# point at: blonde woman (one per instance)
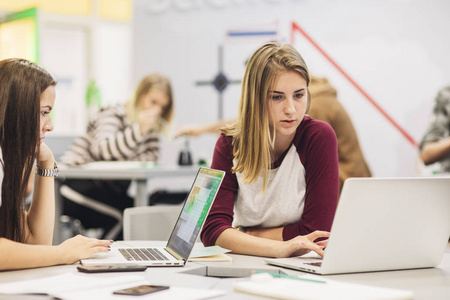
(121, 132)
(280, 192)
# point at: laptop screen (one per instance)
(195, 210)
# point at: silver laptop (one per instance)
(384, 224)
(185, 232)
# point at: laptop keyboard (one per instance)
(142, 254)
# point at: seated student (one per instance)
(435, 145)
(280, 191)
(127, 132)
(27, 95)
(324, 107)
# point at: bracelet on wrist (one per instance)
(47, 172)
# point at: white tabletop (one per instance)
(124, 170)
(429, 284)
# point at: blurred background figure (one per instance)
(123, 132)
(435, 144)
(324, 107)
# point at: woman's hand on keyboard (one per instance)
(303, 244)
(81, 247)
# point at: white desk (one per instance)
(141, 173)
(134, 171)
(427, 284)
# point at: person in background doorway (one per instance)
(27, 96)
(280, 191)
(435, 144)
(325, 107)
(120, 132)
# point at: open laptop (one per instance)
(384, 224)
(185, 232)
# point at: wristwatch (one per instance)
(242, 229)
(47, 172)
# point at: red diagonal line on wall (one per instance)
(295, 27)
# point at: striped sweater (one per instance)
(112, 137)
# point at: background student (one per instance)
(435, 145)
(123, 132)
(325, 107)
(27, 96)
(280, 191)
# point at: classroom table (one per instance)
(427, 284)
(140, 173)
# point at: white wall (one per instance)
(57, 43)
(77, 50)
(111, 60)
(397, 51)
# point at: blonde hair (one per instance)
(252, 139)
(149, 82)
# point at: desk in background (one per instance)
(427, 284)
(140, 173)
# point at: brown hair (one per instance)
(21, 85)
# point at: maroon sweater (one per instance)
(316, 146)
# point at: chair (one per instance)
(150, 222)
(97, 206)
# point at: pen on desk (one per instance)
(280, 275)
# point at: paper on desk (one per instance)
(69, 284)
(211, 253)
(283, 288)
(75, 285)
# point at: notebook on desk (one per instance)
(384, 224)
(184, 234)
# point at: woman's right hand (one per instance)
(148, 120)
(81, 247)
(301, 245)
(190, 130)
